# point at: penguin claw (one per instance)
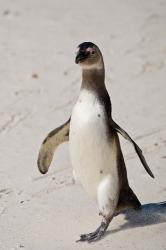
(94, 236)
(86, 237)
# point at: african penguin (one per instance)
(95, 150)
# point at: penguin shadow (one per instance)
(149, 214)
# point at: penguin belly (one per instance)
(93, 151)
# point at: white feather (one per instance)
(93, 155)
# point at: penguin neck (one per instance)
(93, 79)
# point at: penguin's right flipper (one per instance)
(137, 149)
(50, 143)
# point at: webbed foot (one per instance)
(96, 235)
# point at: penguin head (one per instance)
(88, 55)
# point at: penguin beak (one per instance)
(81, 56)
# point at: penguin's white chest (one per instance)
(93, 154)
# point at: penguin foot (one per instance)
(96, 235)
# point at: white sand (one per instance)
(39, 37)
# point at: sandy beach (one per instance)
(39, 85)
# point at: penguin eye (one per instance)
(90, 50)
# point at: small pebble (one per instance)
(35, 76)
(65, 73)
(6, 12)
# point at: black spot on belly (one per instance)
(98, 115)
(101, 171)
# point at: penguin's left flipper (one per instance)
(118, 129)
(50, 143)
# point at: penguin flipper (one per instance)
(137, 149)
(50, 143)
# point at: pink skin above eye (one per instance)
(77, 50)
(91, 50)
